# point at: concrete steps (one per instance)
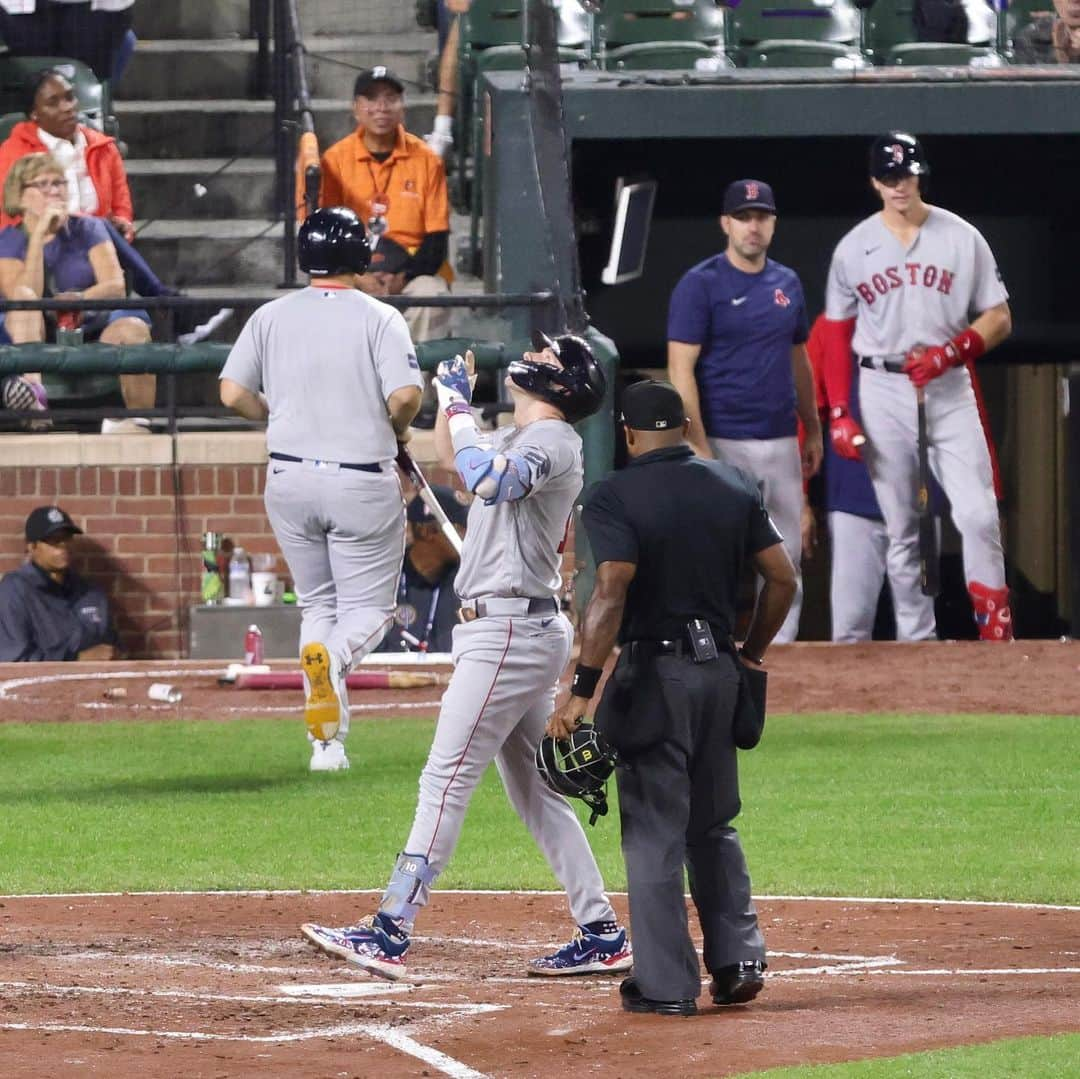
(226, 67)
(235, 127)
(234, 187)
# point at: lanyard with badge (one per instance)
(380, 202)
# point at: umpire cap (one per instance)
(333, 241)
(896, 155)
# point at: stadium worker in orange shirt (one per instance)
(396, 184)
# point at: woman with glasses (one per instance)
(66, 256)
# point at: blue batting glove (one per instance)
(453, 375)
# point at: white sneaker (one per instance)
(135, 426)
(328, 756)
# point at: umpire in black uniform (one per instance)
(670, 534)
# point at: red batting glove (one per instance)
(847, 436)
(923, 365)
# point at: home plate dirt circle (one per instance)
(221, 984)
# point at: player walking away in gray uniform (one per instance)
(670, 533)
(737, 330)
(915, 291)
(508, 652)
(335, 375)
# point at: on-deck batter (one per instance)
(920, 291)
(508, 653)
(341, 384)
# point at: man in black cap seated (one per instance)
(47, 611)
(427, 604)
(670, 533)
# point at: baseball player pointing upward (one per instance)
(508, 652)
(915, 291)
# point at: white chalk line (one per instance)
(263, 893)
(387, 1035)
(385, 707)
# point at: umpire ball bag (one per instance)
(578, 767)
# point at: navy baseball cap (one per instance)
(454, 504)
(748, 195)
(370, 76)
(46, 521)
(651, 405)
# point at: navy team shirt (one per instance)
(746, 325)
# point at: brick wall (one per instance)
(143, 543)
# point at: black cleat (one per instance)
(633, 1001)
(739, 983)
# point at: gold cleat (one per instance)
(322, 710)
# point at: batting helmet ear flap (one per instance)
(578, 767)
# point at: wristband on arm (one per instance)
(969, 345)
(585, 681)
(836, 368)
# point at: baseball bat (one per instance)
(929, 565)
(412, 470)
(356, 680)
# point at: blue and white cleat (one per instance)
(597, 948)
(376, 944)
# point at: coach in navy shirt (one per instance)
(737, 331)
(47, 611)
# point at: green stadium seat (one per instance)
(95, 98)
(754, 21)
(890, 23)
(941, 54)
(801, 54)
(660, 56)
(635, 22)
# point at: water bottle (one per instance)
(239, 577)
(253, 646)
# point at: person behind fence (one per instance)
(93, 168)
(66, 256)
(47, 611)
(427, 605)
(670, 533)
(391, 274)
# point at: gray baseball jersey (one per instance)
(923, 295)
(515, 548)
(327, 358)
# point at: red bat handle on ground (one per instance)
(412, 470)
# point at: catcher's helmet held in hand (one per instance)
(578, 767)
(333, 241)
(577, 390)
(897, 154)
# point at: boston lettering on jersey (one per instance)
(917, 274)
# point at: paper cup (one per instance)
(162, 691)
(264, 585)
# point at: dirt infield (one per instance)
(221, 985)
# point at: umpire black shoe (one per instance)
(739, 983)
(634, 1001)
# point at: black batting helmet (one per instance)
(577, 390)
(897, 154)
(578, 767)
(333, 241)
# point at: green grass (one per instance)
(1029, 1058)
(961, 807)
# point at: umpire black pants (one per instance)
(676, 802)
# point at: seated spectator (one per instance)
(88, 30)
(53, 253)
(940, 20)
(1052, 37)
(388, 275)
(47, 611)
(427, 604)
(93, 167)
(393, 180)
